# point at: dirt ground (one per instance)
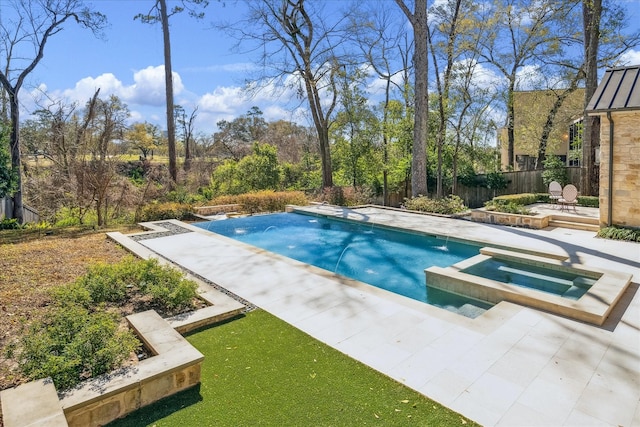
(32, 263)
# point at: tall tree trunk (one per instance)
(16, 159)
(510, 122)
(591, 14)
(168, 76)
(418, 20)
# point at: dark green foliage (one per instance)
(10, 224)
(78, 338)
(445, 206)
(517, 199)
(620, 233)
(468, 177)
(554, 170)
(105, 283)
(8, 178)
(167, 286)
(71, 343)
(496, 181)
(509, 207)
(589, 201)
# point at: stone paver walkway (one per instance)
(512, 366)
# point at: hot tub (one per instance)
(570, 290)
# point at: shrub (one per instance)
(554, 170)
(446, 206)
(170, 210)
(105, 283)
(620, 233)
(263, 201)
(517, 199)
(512, 208)
(589, 201)
(10, 224)
(496, 181)
(167, 286)
(70, 343)
(72, 294)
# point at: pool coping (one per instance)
(511, 366)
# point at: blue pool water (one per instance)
(388, 259)
(566, 285)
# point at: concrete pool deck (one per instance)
(512, 366)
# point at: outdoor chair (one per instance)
(555, 192)
(569, 197)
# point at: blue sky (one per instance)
(128, 62)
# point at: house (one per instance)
(617, 102)
(531, 109)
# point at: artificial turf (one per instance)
(258, 370)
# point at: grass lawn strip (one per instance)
(258, 370)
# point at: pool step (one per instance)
(575, 222)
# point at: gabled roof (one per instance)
(619, 90)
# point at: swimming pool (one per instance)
(385, 258)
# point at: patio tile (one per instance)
(615, 412)
(522, 415)
(580, 419)
(445, 387)
(511, 366)
(556, 397)
(488, 398)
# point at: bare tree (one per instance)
(418, 20)
(186, 124)
(24, 38)
(523, 32)
(298, 40)
(385, 46)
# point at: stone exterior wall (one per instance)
(626, 169)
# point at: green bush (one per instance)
(496, 181)
(113, 283)
(620, 233)
(446, 206)
(589, 201)
(70, 344)
(9, 224)
(543, 197)
(554, 170)
(72, 294)
(105, 283)
(167, 286)
(507, 207)
(170, 210)
(517, 199)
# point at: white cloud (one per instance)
(148, 88)
(631, 57)
(223, 100)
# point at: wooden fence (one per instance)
(6, 211)
(517, 183)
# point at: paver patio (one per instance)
(511, 366)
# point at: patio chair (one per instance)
(569, 197)
(555, 192)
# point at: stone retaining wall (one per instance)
(492, 217)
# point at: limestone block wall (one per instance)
(626, 169)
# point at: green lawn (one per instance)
(258, 370)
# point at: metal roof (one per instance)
(619, 90)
